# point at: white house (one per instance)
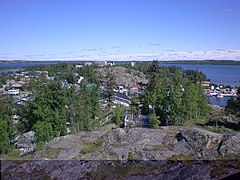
(122, 99)
(13, 91)
(80, 79)
(78, 66)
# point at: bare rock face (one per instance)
(123, 76)
(139, 144)
(199, 142)
(207, 145)
(230, 147)
(143, 144)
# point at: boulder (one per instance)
(198, 142)
(230, 147)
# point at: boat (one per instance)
(219, 95)
(213, 94)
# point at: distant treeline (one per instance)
(204, 62)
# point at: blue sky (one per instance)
(119, 29)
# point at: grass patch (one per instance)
(51, 153)
(91, 146)
(107, 127)
(13, 155)
(196, 122)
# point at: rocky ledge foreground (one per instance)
(143, 144)
(138, 153)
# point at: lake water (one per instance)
(17, 66)
(218, 101)
(218, 74)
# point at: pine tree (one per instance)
(154, 121)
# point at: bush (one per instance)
(91, 146)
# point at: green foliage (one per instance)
(48, 107)
(110, 86)
(154, 121)
(175, 98)
(91, 146)
(118, 116)
(4, 77)
(53, 105)
(67, 71)
(4, 137)
(6, 124)
(44, 131)
(233, 104)
(12, 155)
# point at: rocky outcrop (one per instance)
(126, 152)
(199, 143)
(140, 144)
(219, 118)
(75, 169)
(143, 144)
(56, 169)
(230, 146)
(123, 76)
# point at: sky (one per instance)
(118, 30)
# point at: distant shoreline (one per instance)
(195, 62)
(204, 62)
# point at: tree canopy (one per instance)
(175, 98)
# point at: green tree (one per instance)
(6, 124)
(4, 137)
(176, 99)
(118, 116)
(233, 104)
(154, 121)
(44, 131)
(110, 86)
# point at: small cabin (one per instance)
(26, 142)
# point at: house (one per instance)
(78, 66)
(101, 63)
(132, 63)
(16, 86)
(134, 89)
(122, 90)
(110, 63)
(50, 78)
(65, 83)
(13, 91)
(20, 101)
(26, 142)
(87, 63)
(205, 84)
(80, 79)
(122, 99)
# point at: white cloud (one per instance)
(176, 55)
